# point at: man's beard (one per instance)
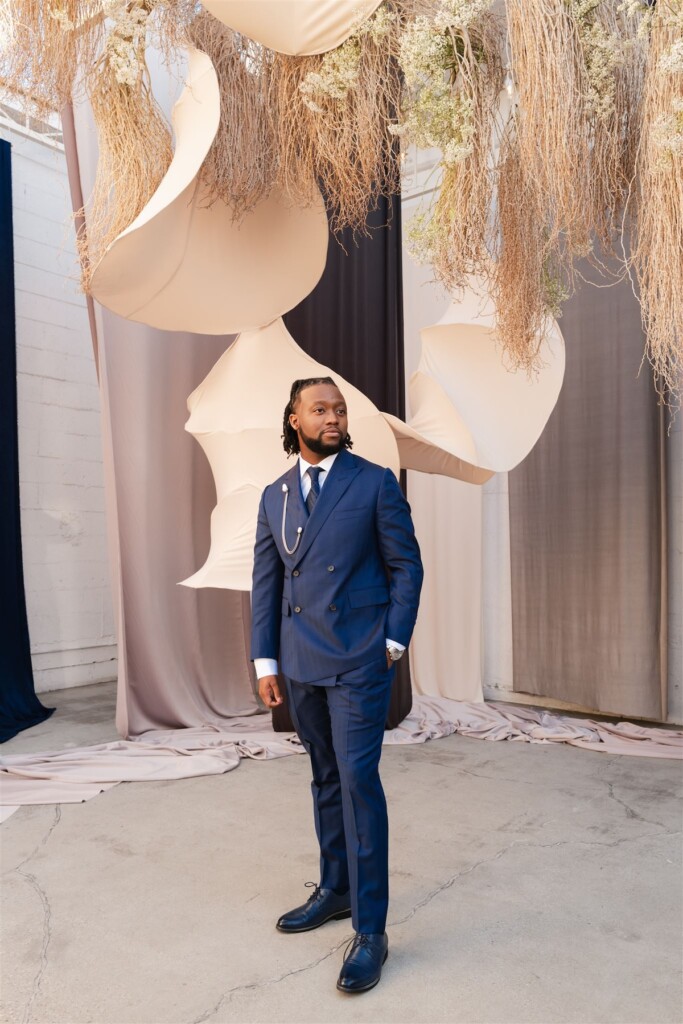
(322, 447)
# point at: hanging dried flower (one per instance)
(46, 43)
(658, 233)
(331, 117)
(241, 166)
(453, 76)
(134, 138)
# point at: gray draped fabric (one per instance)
(586, 524)
(183, 654)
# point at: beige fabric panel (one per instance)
(242, 439)
(445, 655)
(464, 397)
(186, 264)
(446, 649)
(297, 27)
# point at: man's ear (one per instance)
(294, 421)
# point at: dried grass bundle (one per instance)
(453, 237)
(45, 44)
(524, 288)
(553, 141)
(241, 167)
(134, 138)
(658, 242)
(331, 118)
(293, 121)
(614, 135)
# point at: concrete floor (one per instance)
(529, 884)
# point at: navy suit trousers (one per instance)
(342, 726)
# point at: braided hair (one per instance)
(290, 438)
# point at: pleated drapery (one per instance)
(183, 654)
(587, 524)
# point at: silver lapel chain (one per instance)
(299, 529)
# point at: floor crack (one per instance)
(630, 813)
(43, 841)
(252, 986)
(518, 843)
(47, 935)
(226, 997)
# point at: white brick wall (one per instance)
(66, 571)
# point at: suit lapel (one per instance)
(344, 469)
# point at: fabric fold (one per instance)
(74, 775)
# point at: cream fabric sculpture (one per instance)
(472, 417)
(236, 415)
(186, 266)
(297, 27)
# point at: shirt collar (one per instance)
(326, 464)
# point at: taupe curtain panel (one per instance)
(183, 654)
(587, 524)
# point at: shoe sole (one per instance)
(366, 988)
(311, 927)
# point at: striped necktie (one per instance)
(314, 493)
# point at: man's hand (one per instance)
(389, 661)
(269, 691)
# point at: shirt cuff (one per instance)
(265, 667)
(392, 643)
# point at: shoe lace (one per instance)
(358, 941)
(316, 891)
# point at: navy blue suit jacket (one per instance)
(353, 581)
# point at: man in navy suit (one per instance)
(336, 585)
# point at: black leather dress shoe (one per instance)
(324, 905)
(362, 967)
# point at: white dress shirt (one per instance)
(268, 666)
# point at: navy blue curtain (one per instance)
(353, 319)
(353, 322)
(19, 706)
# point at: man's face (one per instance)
(320, 419)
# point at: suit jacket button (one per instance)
(333, 607)
(330, 568)
(295, 573)
(297, 609)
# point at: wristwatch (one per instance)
(394, 652)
